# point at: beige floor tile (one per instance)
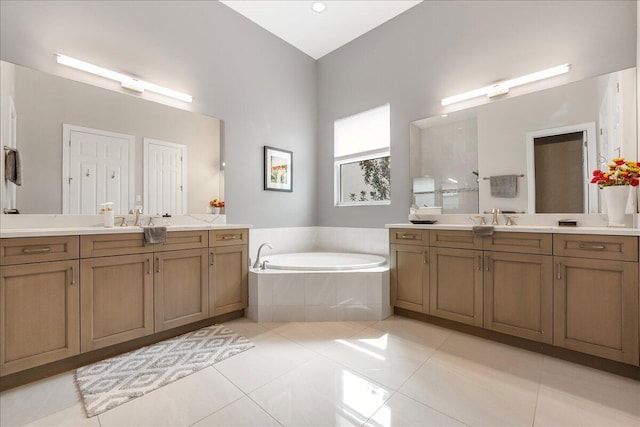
(471, 396)
(180, 403)
(242, 412)
(318, 336)
(414, 330)
(272, 356)
(556, 408)
(380, 356)
(578, 383)
(321, 393)
(73, 416)
(39, 399)
(401, 410)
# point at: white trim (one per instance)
(590, 191)
(66, 138)
(145, 170)
(356, 157)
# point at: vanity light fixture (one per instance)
(503, 87)
(127, 82)
(318, 6)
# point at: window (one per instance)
(362, 158)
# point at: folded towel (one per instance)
(12, 167)
(504, 185)
(155, 235)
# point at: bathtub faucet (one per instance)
(257, 263)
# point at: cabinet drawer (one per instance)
(38, 249)
(409, 236)
(228, 237)
(177, 240)
(526, 243)
(455, 239)
(113, 244)
(619, 248)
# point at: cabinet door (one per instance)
(116, 299)
(410, 277)
(180, 287)
(518, 295)
(596, 307)
(39, 319)
(455, 285)
(228, 279)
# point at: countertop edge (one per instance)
(612, 231)
(8, 233)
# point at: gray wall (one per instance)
(439, 49)
(262, 88)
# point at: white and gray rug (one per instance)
(112, 382)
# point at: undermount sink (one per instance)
(483, 230)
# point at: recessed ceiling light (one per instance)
(318, 6)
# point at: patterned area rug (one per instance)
(112, 382)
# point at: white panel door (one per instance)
(99, 169)
(164, 177)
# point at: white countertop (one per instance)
(613, 231)
(69, 225)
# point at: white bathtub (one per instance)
(320, 286)
(323, 261)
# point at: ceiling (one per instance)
(317, 34)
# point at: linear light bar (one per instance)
(503, 87)
(127, 82)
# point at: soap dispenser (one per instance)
(107, 210)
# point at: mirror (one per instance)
(80, 145)
(523, 141)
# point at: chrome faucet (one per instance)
(138, 213)
(495, 212)
(257, 263)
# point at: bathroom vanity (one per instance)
(69, 292)
(571, 288)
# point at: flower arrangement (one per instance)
(215, 203)
(621, 172)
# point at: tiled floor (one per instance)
(396, 372)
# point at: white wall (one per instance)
(438, 49)
(262, 88)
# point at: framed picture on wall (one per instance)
(278, 169)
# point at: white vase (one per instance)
(615, 197)
(215, 211)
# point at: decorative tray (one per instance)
(423, 221)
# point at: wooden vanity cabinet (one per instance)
(181, 288)
(228, 256)
(596, 295)
(518, 284)
(39, 301)
(456, 276)
(152, 288)
(117, 299)
(409, 256)
(456, 285)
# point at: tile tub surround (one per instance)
(319, 239)
(285, 296)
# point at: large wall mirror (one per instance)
(81, 145)
(540, 149)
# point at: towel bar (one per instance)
(519, 176)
